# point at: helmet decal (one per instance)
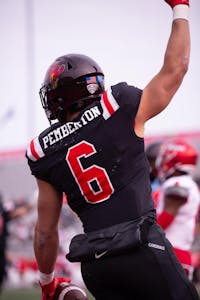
(92, 83)
(71, 83)
(54, 72)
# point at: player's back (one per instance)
(98, 160)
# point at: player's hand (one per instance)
(173, 3)
(48, 290)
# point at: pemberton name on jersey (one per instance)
(70, 127)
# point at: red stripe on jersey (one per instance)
(107, 104)
(33, 151)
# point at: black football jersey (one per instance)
(97, 160)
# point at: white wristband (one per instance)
(181, 11)
(45, 278)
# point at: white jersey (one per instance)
(181, 231)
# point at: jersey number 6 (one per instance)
(90, 177)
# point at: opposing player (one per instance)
(8, 213)
(179, 198)
(95, 154)
(152, 151)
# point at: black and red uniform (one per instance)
(100, 163)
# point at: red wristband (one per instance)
(173, 3)
(165, 219)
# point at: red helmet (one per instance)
(176, 155)
(73, 81)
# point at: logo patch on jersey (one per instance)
(99, 255)
(156, 246)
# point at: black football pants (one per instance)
(150, 272)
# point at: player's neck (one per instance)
(71, 116)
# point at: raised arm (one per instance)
(161, 89)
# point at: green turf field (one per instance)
(30, 294)
(27, 294)
(20, 294)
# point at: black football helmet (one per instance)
(71, 83)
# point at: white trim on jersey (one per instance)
(34, 151)
(109, 104)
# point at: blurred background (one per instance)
(128, 39)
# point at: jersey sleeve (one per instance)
(127, 96)
(38, 157)
(121, 96)
(35, 156)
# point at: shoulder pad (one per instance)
(108, 103)
(34, 150)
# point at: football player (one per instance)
(152, 151)
(94, 153)
(179, 198)
(8, 212)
